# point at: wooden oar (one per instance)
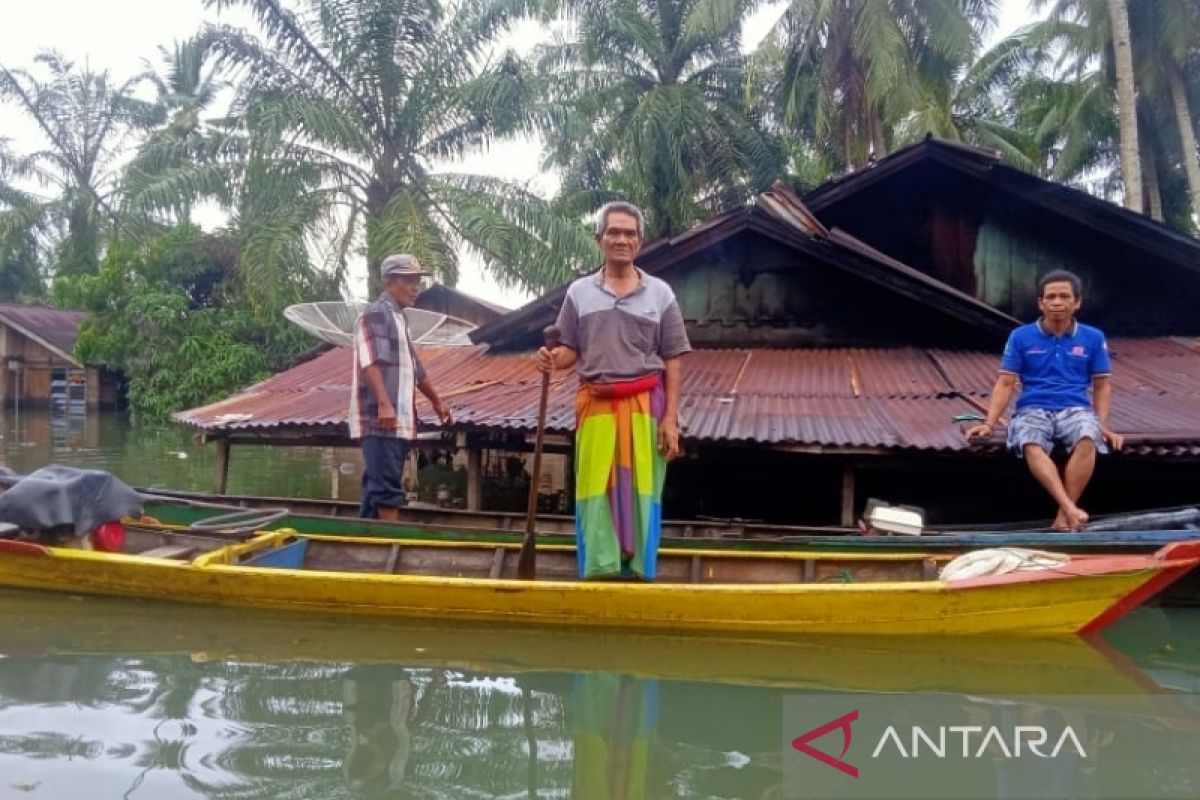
(527, 564)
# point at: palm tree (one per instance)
(645, 103)
(1166, 38)
(1094, 46)
(187, 86)
(22, 228)
(848, 74)
(1131, 164)
(979, 104)
(87, 119)
(345, 114)
(1077, 50)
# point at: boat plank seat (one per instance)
(178, 551)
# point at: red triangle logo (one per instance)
(842, 723)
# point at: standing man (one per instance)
(1056, 359)
(386, 375)
(623, 331)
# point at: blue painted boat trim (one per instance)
(290, 556)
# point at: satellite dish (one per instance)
(333, 322)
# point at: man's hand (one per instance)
(544, 358)
(387, 416)
(668, 439)
(443, 412)
(1115, 440)
(982, 431)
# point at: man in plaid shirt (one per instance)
(386, 375)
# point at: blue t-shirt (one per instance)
(1055, 371)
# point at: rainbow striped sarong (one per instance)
(616, 726)
(619, 474)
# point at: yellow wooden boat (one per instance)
(792, 592)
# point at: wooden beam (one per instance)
(474, 479)
(222, 468)
(847, 496)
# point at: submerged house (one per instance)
(38, 367)
(843, 343)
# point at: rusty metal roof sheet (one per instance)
(968, 371)
(823, 398)
(49, 326)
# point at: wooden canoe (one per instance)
(795, 592)
(337, 518)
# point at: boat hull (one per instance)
(1095, 593)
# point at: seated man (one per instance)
(1056, 358)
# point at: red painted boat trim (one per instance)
(1141, 594)
(22, 548)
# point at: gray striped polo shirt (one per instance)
(621, 338)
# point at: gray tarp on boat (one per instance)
(58, 496)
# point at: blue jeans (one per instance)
(383, 473)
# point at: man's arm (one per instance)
(1002, 392)
(561, 357)
(1102, 401)
(387, 411)
(566, 353)
(439, 408)
(668, 430)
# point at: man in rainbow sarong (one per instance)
(624, 333)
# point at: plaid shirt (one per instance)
(381, 338)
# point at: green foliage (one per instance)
(646, 104)
(85, 117)
(342, 113)
(174, 316)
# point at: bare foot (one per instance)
(1074, 517)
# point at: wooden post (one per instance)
(569, 479)
(222, 471)
(847, 496)
(474, 479)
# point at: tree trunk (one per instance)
(1131, 169)
(1187, 137)
(878, 142)
(377, 200)
(1153, 200)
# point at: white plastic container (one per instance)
(895, 519)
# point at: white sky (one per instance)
(119, 34)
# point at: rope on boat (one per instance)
(239, 520)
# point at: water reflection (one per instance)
(104, 698)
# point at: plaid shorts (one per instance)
(1047, 428)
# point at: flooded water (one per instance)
(112, 699)
(167, 456)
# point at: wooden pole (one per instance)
(847, 496)
(474, 479)
(527, 564)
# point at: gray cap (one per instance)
(401, 264)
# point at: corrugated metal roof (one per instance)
(830, 398)
(58, 328)
(969, 372)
